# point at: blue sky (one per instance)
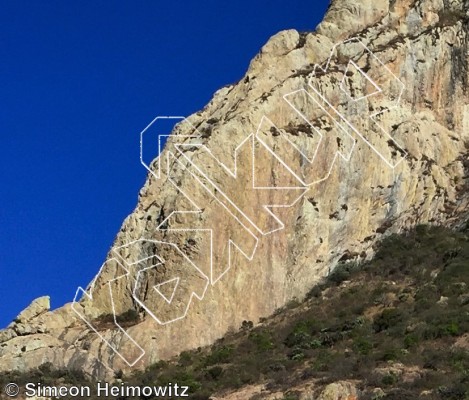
(78, 82)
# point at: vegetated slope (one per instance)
(399, 323)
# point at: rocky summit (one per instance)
(332, 140)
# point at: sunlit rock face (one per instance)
(355, 130)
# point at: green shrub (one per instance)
(426, 297)
(262, 340)
(302, 335)
(456, 392)
(301, 339)
(185, 358)
(389, 354)
(390, 317)
(220, 355)
(389, 380)
(343, 271)
(129, 317)
(186, 378)
(363, 346)
(451, 329)
(411, 340)
(297, 355)
(215, 372)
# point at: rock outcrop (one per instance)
(339, 391)
(28, 321)
(375, 140)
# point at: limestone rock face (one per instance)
(27, 321)
(375, 140)
(36, 308)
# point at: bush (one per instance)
(389, 380)
(129, 317)
(215, 372)
(343, 272)
(452, 393)
(390, 317)
(363, 346)
(46, 374)
(221, 355)
(297, 354)
(411, 340)
(262, 340)
(246, 326)
(300, 339)
(389, 354)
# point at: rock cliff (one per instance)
(332, 139)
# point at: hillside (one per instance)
(396, 327)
